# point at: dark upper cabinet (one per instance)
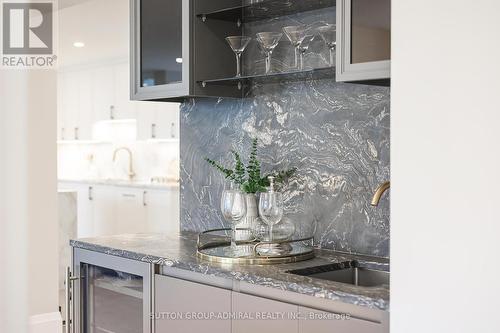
(363, 40)
(171, 47)
(178, 47)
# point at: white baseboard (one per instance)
(46, 323)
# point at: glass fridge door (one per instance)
(113, 299)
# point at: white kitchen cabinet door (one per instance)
(85, 106)
(261, 309)
(68, 90)
(316, 321)
(167, 120)
(130, 214)
(104, 198)
(163, 210)
(103, 93)
(85, 211)
(146, 117)
(124, 107)
(176, 296)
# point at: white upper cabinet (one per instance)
(363, 40)
(157, 120)
(103, 93)
(124, 107)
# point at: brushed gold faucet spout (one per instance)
(131, 173)
(378, 193)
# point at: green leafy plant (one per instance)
(249, 177)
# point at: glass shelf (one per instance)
(309, 74)
(255, 10)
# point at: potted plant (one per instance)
(250, 180)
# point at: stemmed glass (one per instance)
(234, 209)
(271, 208)
(238, 45)
(329, 34)
(296, 35)
(304, 46)
(268, 41)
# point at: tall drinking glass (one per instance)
(234, 209)
(271, 208)
(238, 45)
(268, 41)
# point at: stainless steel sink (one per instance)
(358, 276)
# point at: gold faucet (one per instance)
(378, 193)
(131, 173)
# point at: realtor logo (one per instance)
(27, 28)
(28, 34)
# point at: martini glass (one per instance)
(304, 46)
(238, 45)
(296, 35)
(268, 41)
(329, 34)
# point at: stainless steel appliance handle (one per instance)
(69, 284)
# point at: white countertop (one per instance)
(123, 183)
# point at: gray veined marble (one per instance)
(179, 251)
(337, 135)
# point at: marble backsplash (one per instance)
(336, 135)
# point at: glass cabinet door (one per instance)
(363, 39)
(160, 49)
(113, 299)
(161, 42)
(111, 294)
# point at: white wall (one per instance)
(445, 225)
(28, 214)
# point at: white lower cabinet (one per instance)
(180, 306)
(131, 214)
(104, 210)
(316, 321)
(162, 210)
(260, 312)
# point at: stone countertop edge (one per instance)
(180, 252)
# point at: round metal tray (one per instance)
(214, 246)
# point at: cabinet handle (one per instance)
(111, 112)
(91, 197)
(153, 131)
(172, 130)
(76, 133)
(144, 198)
(62, 133)
(68, 281)
(128, 195)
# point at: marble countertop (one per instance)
(180, 251)
(122, 183)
